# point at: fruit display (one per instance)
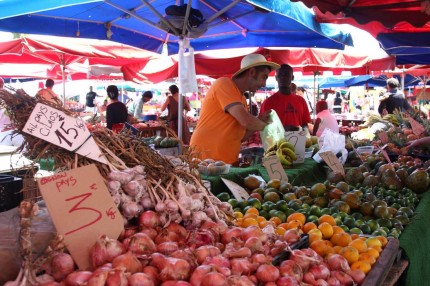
(284, 150)
(211, 167)
(161, 142)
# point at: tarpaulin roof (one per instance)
(305, 60)
(142, 23)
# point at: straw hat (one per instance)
(254, 60)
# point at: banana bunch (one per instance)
(391, 118)
(284, 150)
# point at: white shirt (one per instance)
(327, 121)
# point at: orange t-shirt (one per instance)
(218, 135)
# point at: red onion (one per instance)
(230, 234)
(40, 279)
(217, 227)
(178, 229)
(166, 235)
(200, 237)
(62, 264)
(171, 268)
(291, 268)
(320, 272)
(198, 273)
(116, 277)
(151, 232)
(337, 262)
(254, 244)
(241, 266)
(232, 252)
(51, 283)
(140, 279)
(331, 281)
(236, 280)
(267, 273)
(314, 257)
(218, 261)
(98, 279)
(309, 278)
(149, 219)
(78, 278)
(287, 281)
(152, 272)
(186, 254)
(127, 261)
(167, 247)
(291, 236)
(357, 275)
(141, 243)
(214, 279)
(277, 247)
(301, 259)
(321, 282)
(105, 250)
(260, 258)
(127, 232)
(344, 279)
(253, 231)
(176, 283)
(206, 251)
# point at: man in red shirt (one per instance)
(292, 109)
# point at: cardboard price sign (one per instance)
(384, 153)
(238, 192)
(81, 209)
(332, 161)
(274, 168)
(298, 140)
(68, 132)
(383, 136)
(417, 128)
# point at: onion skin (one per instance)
(178, 229)
(205, 251)
(320, 272)
(287, 281)
(105, 250)
(116, 277)
(291, 236)
(230, 234)
(357, 275)
(267, 273)
(337, 262)
(171, 268)
(344, 279)
(151, 232)
(331, 281)
(199, 273)
(98, 279)
(152, 272)
(141, 243)
(176, 283)
(241, 266)
(149, 219)
(214, 279)
(298, 257)
(127, 261)
(78, 278)
(236, 280)
(140, 279)
(291, 268)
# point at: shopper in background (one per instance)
(116, 111)
(136, 108)
(47, 93)
(291, 108)
(224, 118)
(337, 103)
(325, 120)
(171, 104)
(393, 99)
(90, 104)
(301, 91)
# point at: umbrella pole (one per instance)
(63, 71)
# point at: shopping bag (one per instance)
(272, 132)
(330, 141)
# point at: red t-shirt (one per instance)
(292, 109)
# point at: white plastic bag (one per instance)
(273, 132)
(330, 141)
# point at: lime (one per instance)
(295, 204)
(408, 211)
(246, 208)
(379, 232)
(254, 203)
(373, 224)
(232, 202)
(259, 191)
(344, 227)
(267, 206)
(281, 215)
(349, 222)
(356, 230)
(315, 210)
(264, 214)
(306, 207)
(384, 222)
(242, 204)
(359, 223)
(366, 229)
(281, 205)
(325, 211)
(289, 211)
(357, 215)
(313, 218)
(273, 213)
(386, 229)
(224, 196)
(237, 210)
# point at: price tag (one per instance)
(238, 192)
(298, 140)
(333, 162)
(383, 136)
(274, 169)
(384, 153)
(68, 132)
(81, 209)
(417, 128)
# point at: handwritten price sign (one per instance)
(333, 162)
(81, 209)
(238, 192)
(66, 131)
(298, 140)
(274, 168)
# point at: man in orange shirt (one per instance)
(47, 93)
(224, 120)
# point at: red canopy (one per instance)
(301, 59)
(374, 16)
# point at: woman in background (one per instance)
(324, 119)
(116, 111)
(171, 104)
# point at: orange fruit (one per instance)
(337, 248)
(367, 257)
(280, 230)
(361, 265)
(250, 215)
(308, 226)
(359, 244)
(249, 221)
(373, 252)
(261, 218)
(284, 225)
(238, 214)
(326, 230)
(354, 236)
(341, 239)
(350, 253)
(376, 247)
(252, 210)
(265, 223)
(297, 216)
(383, 240)
(337, 229)
(276, 220)
(373, 242)
(327, 218)
(322, 247)
(294, 224)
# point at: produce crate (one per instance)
(10, 192)
(383, 264)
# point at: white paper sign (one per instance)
(238, 192)
(274, 169)
(68, 132)
(298, 140)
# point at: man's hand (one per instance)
(265, 116)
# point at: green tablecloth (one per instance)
(306, 174)
(415, 241)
